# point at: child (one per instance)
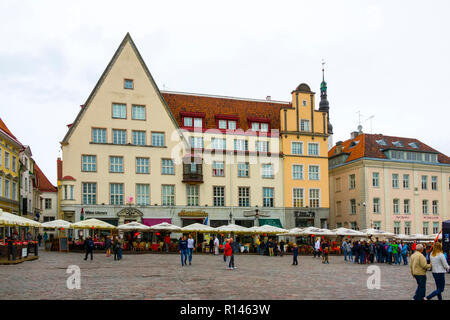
(295, 254)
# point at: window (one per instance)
(338, 208)
(264, 127)
(261, 127)
(187, 121)
(398, 155)
(396, 206)
(89, 193)
(407, 228)
(354, 226)
(89, 163)
(395, 180)
(119, 111)
(193, 122)
(14, 163)
(14, 191)
(65, 192)
(48, 203)
(227, 124)
(197, 142)
(397, 144)
(406, 206)
(219, 196)
(7, 189)
(352, 206)
(304, 103)
(142, 165)
(192, 192)
(406, 181)
(313, 172)
(116, 164)
(128, 84)
(1, 156)
(375, 179)
(424, 182)
(339, 225)
(139, 138)
(167, 166)
(434, 182)
(297, 147)
(396, 227)
(337, 183)
(116, 193)
(267, 171)
(6, 160)
(298, 200)
(198, 122)
(413, 145)
(243, 170)
(119, 136)
(244, 196)
(313, 149)
(304, 125)
(240, 145)
(262, 146)
(98, 135)
(71, 192)
(377, 225)
(142, 194)
(314, 198)
(218, 169)
(435, 207)
(217, 143)
(25, 184)
(425, 228)
(168, 195)
(268, 197)
(297, 172)
(435, 227)
(376, 205)
(352, 181)
(223, 124)
(425, 206)
(158, 139)
(138, 112)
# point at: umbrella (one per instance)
(9, 219)
(233, 228)
(419, 236)
(56, 224)
(198, 227)
(268, 229)
(293, 232)
(92, 224)
(317, 231)
(133, 226)
(433, 236)
(376, 232)
(348, 232)
(164, 226)
(402, 236)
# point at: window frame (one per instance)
(121, 104)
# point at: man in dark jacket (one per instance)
(356, 248)
(183, 250)
(234, 248)
(89, 247)
(211, 245)
(281, 248)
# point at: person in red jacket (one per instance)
(228, 252)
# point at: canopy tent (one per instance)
(420, 236)
(198, 227)
(57, 224)
(164, 226)
(348, 232)
(133, 226)
(376, 232)
(233, 228)
(317, 231)
(9, 219)
(294, 232)
(92, 224)
(402, 236)
(268, 229)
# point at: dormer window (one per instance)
(381, 142)
(259, 124)
(226, 122)
(192, 120)
(413, 145)
(397, 144)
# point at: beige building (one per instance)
(136, 153)
(400, 185)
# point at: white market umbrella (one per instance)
(198, 227)
(348, 232)
(435, 235)
(9, 219)
(268, 229)
(402, 236)
(317, 231)
(164, 226)
(419, 236)
(92, 224)
(232, 228)
(57, 224)
(294, 232)
(376, 232)
(133, 226)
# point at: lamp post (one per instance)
(231, 217)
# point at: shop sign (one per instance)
(430, 217)
(24, 252)
(304, 214)
(96, 212)
(407, 217)
(199, 213)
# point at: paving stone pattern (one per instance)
(160, 276)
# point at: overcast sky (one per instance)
(389, 59)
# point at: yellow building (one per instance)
(9, 170)
(304, 141)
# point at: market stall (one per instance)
(197, 228)
(167, 229)
(377, 233)
(238, 234)
(135, 244)
(92, 228)
(60, 243)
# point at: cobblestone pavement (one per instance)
(160, 276)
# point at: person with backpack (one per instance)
(116, 247)
(295, 255)
(108, 246)
(325, 250)
(404, 253)
(89, 247)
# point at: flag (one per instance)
(82, 214)
(206, 221)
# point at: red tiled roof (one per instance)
(43, 183)
(367, 146)
(68, 178)
(5, 128)
(212, 106)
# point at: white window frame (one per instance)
(298, 200)
(294, 177)
(293, 149)
(314, 173)
(309, 149)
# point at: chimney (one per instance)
(339, 147)
(59, 165)
(354, 134)
(268, 98)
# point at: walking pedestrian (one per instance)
(183, 250)
(404, 253)
(439, 267)
(372, 252)
(108, 246)
(227, 252)
(419, 267)
(390, 250)
(350, 250)
(258, 245)
(211, 245)
(317, 248)
(190, 246)
(234, 248)
(356, 247)
(89, 247)
(295, 255)
(167, 242)
(115, 246)
(281, 248)
(325, 250)
(39, 237)
(216, 246)
(344, 249)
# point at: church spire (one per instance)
(324, 105)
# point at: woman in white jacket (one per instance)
(439, 267)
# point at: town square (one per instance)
(241, 151)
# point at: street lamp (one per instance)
(231, 217)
